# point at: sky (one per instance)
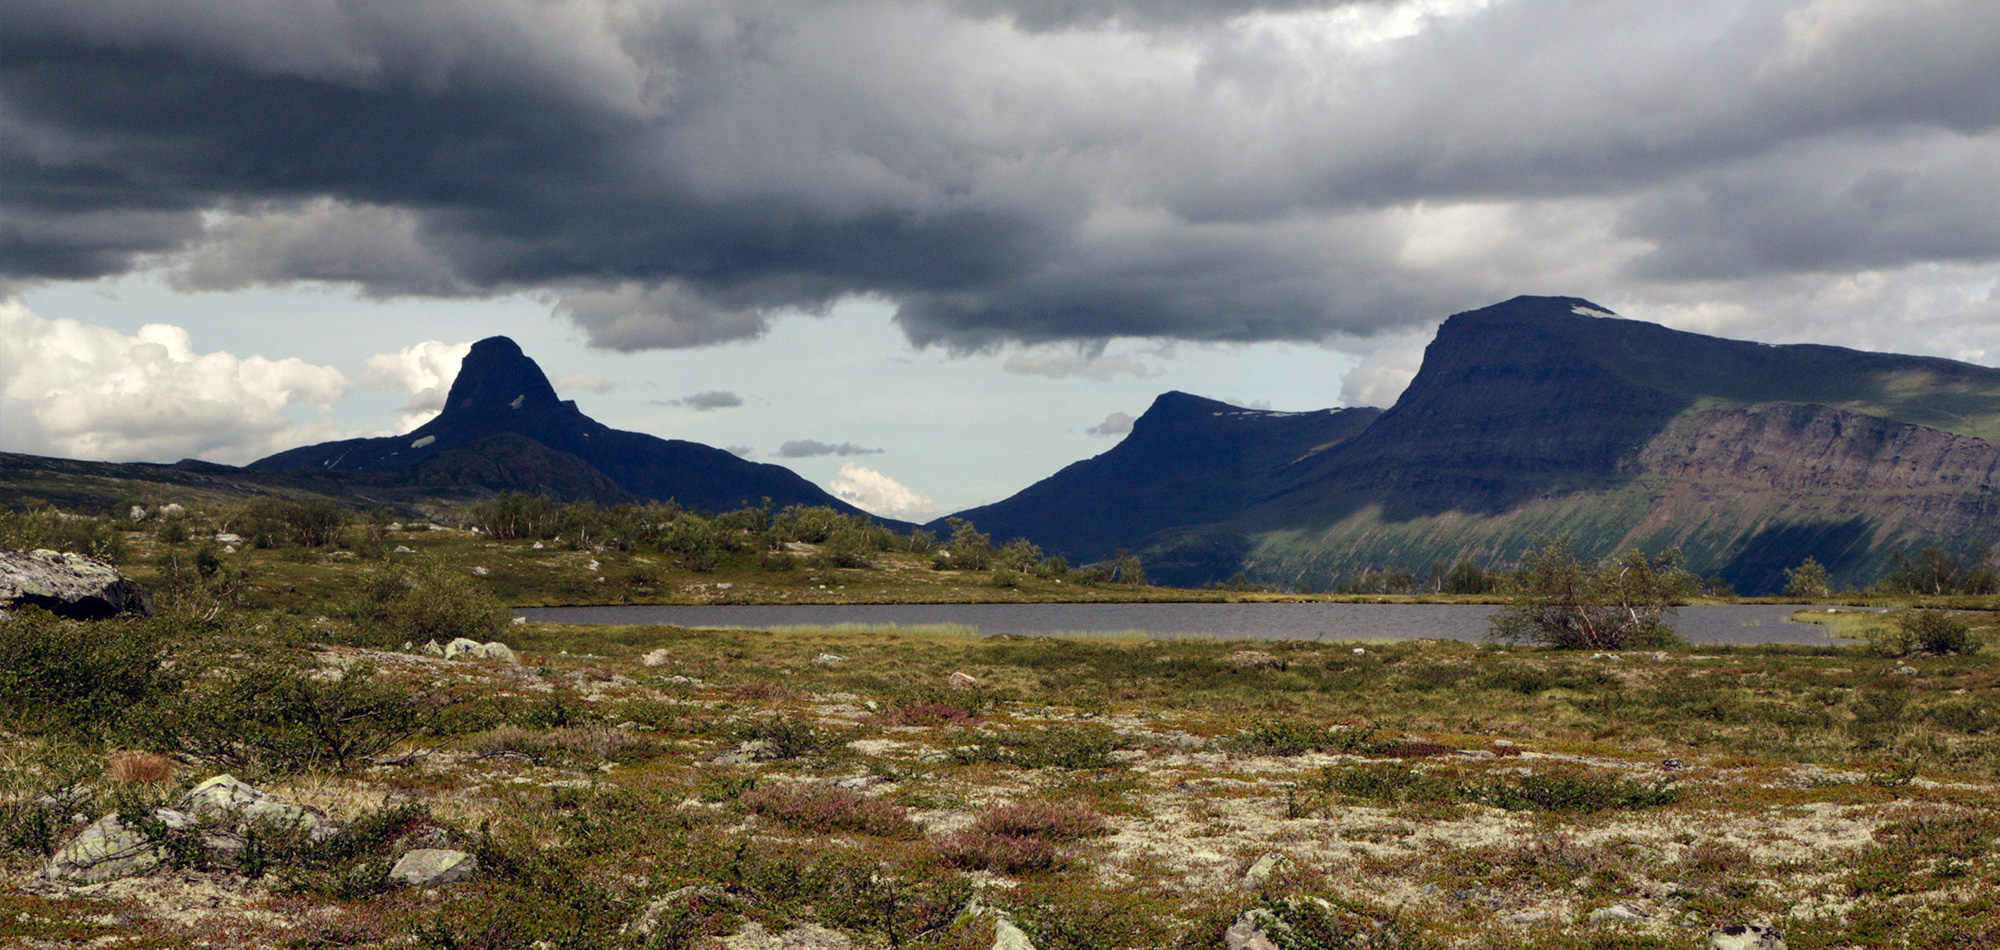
(926, 252)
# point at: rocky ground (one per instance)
(650, 787)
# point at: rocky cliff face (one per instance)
(1549, 415)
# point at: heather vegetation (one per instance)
(651, 787)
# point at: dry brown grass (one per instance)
(139, 768)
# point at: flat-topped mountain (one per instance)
(1547, 415)
(504, 427)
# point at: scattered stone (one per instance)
(1745, 937)
(433, 649)
(1604, 656)
(404, 549)
(754, 750)
(829, 659)
(657, 657)
(68, 585)
(1902, 670)
(961, 681)
(1360, 652)
(172, 508)
(1248, 933)
(520, 620)
(1526, 916)
(229, 549)
(1254, 658)
(536, 546)
(109, 849)
(227, 538)
(138, 513)
(1260, 871)
(1006, 936)
(591, 566)
(431, 867)
(478, 571)
(223, 799)
(1618, 914)
(461, 647)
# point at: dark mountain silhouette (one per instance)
(1550, 415)
(1187, 461)
(504, 427)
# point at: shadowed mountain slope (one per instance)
(1547, 415)
(501, 393)
(1187, 461)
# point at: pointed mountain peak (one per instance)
(497, 376)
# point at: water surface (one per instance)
(1716, 624)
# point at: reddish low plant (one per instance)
(975, 850)
(1048, 821)
(825, 808)
(928, 714)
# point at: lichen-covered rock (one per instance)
(431, 867)
(1260, 872)
(110, 848)
(225, 800)
(1745, 937)
(464, 648)
(68, 585)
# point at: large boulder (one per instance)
(68, 585)
(110, 848)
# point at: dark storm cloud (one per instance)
(674, 175)
(811, 448)
(706, 400)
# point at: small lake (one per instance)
(1714, 624)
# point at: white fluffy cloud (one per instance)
(80, 391)
(425, 369)
(1117, 423)
(872, 491)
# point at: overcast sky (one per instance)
(928, 252)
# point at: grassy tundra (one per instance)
(635, 787)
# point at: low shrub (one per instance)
(1046, 820)
(84, 681)
(1923, 631)
(430, 600)
(280, 716)
(101, 538)
(1059, 747)
(1006, 854)
(821, 809)
(588, 745)
(790, 738)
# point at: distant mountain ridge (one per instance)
(504, 427)
(1546, 415)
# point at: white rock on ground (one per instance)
(961, 681)
(225, 799)
(1745, 937)
(1261, 871)
(68, 585)
(658, 657)
(474, 650)
(111, 849)
(829, 659)
(431, 867)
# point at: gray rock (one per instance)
(1618, 914)
(431, 647)
(1249, 932)
(226, 801)
(829, 659)
(1006, 936)
(1260, 872)
(495, 650)
(109, 849)
(226, 538)
(753, 936)
(431, 867)
(460, 646)
(754, 750)
(68, 585)
(659, 657)
(1745, 937)
(649, 919)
